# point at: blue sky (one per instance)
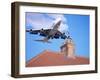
(77, 25)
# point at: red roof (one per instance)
(49, 58)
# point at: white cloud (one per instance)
(55, 16)
(45, 21)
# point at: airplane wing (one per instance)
(45, 33)
(42, 32)
(31, 31)
(60, 35)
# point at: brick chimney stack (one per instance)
(68, 48)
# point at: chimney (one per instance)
(68, 48)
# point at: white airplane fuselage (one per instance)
(55, 28)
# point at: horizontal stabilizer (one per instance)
(43, 41)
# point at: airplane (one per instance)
(49, 33)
